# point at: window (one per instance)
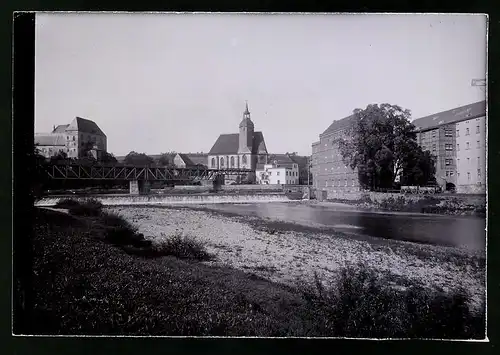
(468, 176)
(448, 132)
(447, 173)
(278, 182)
(448, 147)
(345, 182)
(271, 173)
(67, 137)
(278, 173)
(478, 173)
(73, 138)
(221, 162)
(447, 161)
(232, 162)
(478, 161)
(458, 161)
(458, 133)
(478, 144)
(458, 146)
(451, 173)
(434, 134)
(477, 129)
(468, 160)
(244, 159)
(467, 132)
(467, 145)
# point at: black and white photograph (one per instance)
(259, 175)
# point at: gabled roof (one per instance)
(61, 128)
(477, 109)
(337, 125)
(229, 144)
(282, 160)
(49, 140)
(197, 159)
(300, 160)
(84, 125)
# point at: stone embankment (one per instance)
(464, 205)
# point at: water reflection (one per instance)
(462, 232)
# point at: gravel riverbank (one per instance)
(291, 254)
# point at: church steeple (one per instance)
(246, 132)
(246, 114)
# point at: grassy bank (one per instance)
(425, 204)
(88, 283)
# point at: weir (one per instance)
(137, 199)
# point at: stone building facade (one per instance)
(242, 150)
(457, 139)
(77, 139)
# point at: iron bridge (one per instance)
(127, 172)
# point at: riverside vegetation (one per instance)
(95, 274)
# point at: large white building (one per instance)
(281, 170)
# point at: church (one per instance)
(244, 150)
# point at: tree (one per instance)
(166, 159)
(381, 144)
(36, 173)
(108, 158)
(141, 159)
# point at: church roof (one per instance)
(83, 125)
(229, 144)
(461, 113)
(49, 140)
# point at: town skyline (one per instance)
(298, 73)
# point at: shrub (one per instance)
(67, 203)
(121, 232)
(365, 305)
(90, 207)
(182, 247)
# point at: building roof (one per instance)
(83, 125)
(477, 109)
(229, 144)
(338, 125)
(194, 159)
(49, 140)
(61, 128)
(282, 160)
(300, 160)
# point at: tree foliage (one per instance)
(108, 158)
(134, 158)
(381, 144)
(166, 159)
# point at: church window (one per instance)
(232, 162)
(244, 159)
(222, 162)
(213, 162)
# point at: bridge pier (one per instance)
(139, 187)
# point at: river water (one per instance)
(455, 231)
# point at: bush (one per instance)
(67, 203)
(90, 207)
(120, 232)
(182, 247)
(364, 305)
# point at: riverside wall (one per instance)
(123, 200)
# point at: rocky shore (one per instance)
(293, 255)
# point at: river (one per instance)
(455, 231)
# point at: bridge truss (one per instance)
(105, 172)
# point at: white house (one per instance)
(281, 171)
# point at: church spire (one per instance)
(246, 114)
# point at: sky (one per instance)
(174, 82)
